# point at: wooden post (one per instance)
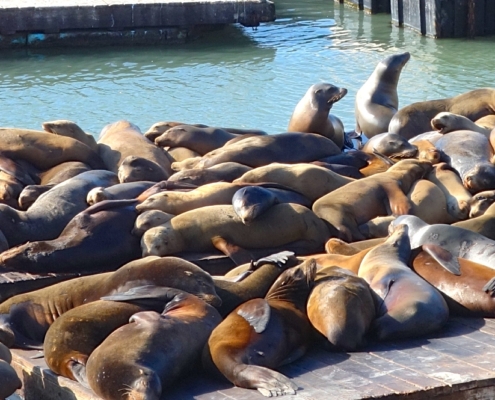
(471, 28)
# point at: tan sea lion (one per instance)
(487, 122)
(25, 318)
(480, 202)
(416, 118)
(262, 334)
(188, 163)
(123, 140)
(70, 129)
(341, 307)
(312, 113)
(225, 172)
(483, 224)
(427, 151)
(377, 227)
(349, 262)
(377, 100)
(149, 219)
(378, 195)
(121, 191)
(390, 145)
(140, 359)
(446, 122)
(339, 247)
(194, 230)
(310, 180)
(410, 306)
(181, 153)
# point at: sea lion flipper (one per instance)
(278, 258)
(79, 372)
(490, 286)
(268, 382)
(148, 294)
(237, 254)
(444, 258)
(257, 313)
(397, 201)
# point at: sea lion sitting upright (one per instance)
(264, 333)
(312, 113)
(70, 129)
(377, 100)
(410, 306)
(140, 359)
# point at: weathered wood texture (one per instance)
(371, 6)
(456, 363)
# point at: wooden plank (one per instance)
(412, 14)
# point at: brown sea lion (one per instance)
(48, 216)
(25, 318)
(446, 122)
(344, 170)
(264, 333)
(487, 122)
(410, 306)
(45, 151)
(350, 262)
(416, 118)
(377, 227)
(309, 180)
(456, 194)
(360, 201)
(194, 230)
(480, 202)
(341, 307)
(70, 129)
(427, 151)
(225, 172)
(256, 151)
(377, 100)
(181, 153)
(429, 203)
(337, 246)
(484, 224)
(121, 140)
(390, 145)
(140, 359)
(122, 191)
(466, 294)
(149, 219)
(312, 113)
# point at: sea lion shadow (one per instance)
(41, 383)
(194, 384)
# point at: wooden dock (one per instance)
(41, 23)
(456, 363)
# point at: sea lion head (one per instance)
(324, 95)
(171, 136)
(480, 178)
(252, 201)
(156, 130)
(144, 384)
(96, 195)
(393, 145)
(390, 68)
(161, 241)
(480, 202)
(136, 169)
(149, 219)
(61, 127)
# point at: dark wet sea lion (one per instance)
(378, 195)
(96, 240)
(256, 151)
(264, 333)
(377, 100)
(390, 145)
(49, 215)
(122, 139)
(122, 191)
(312, 113)
(194, 230)
(470, 154)
(225, 172)
(416, 118)
(409, 306)
(341, 307)
(70, 129)
(45, 151)
(142, 358)
(25, 318)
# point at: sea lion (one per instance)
(409, 305)
(122, 191)
(312, 113)
(149, 219)
(25, 318)
(188, 163)
(9, 381)
(429, 203)
(446, 243)
(97, 239)
(310, 180)
(382, 194)
(58, 174)
(70, 129)
(457, 196)
(487, 122)
(264, 333)
(470, 154)
(349, 262)
(466, 294)
(163, 186)
(194, 230)
(416, 118)
(344, 170)
(45, 151)
(121, 140)
(142, 358)
(446, 122)
(483, 224)
(160, 127)
(427, 151)
(51, 212)
(225, 172)
(336, 246)
(480, 202)
(377, 227)
(178, 154)
(341, 307)
(377, 100)
(390, 145)
(431, 136)
(256, 151)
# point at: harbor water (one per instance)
(236, 76)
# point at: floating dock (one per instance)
(456, 363)
(42, 23)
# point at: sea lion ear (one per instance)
(444, 257)
(257, 314)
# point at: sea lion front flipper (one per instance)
(237, 254)
(148, 295)
(444, 257)
(278, 258)
(79, 372)
(268, 382)
(397, 201)
(257, 313)
(490, 287)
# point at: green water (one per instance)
(237, 76)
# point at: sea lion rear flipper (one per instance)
(79, 372)
(490, 287)
(257, 313)
(444, 258)
(237, 254)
